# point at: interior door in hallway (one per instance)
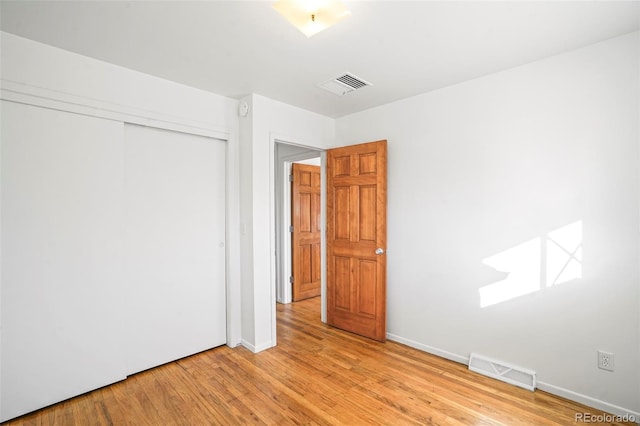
(356, 238)
(305, 217)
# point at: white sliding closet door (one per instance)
(61, 281)
(174, 245)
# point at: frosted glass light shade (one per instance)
(312, 16)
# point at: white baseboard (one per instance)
(589, 401)
(555, 390)
(248, 345)
(257, 348)
(430, 349)
(234, 344)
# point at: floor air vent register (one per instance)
(517, 376)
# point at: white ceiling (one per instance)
(234, 48)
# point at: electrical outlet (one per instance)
(605, 360)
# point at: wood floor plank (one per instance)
(317, 375)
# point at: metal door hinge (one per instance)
(291, 228)
(291, 280)
(290, 178)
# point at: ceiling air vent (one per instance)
(344, 84)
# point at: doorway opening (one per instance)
(287, 154)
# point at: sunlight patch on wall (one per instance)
(522, 263)
(541, 262)
(564, 254)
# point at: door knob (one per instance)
(379, 251)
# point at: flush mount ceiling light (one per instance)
(312, 16)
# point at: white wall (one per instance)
(267, 121)
(55, 77)
(477, 170)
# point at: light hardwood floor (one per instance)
(316, 375)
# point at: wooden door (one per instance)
(305, 206)
(356, 238)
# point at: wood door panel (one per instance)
(305, 217)
(305, 258)
(354, 213)
(315, 207)
(356, 227)
(342, 197)
(367, 203)
(366, 286)
(305, 213)
(315, 263)
(342, 166)
(305, 178)
(341, 293)
(367, 163)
